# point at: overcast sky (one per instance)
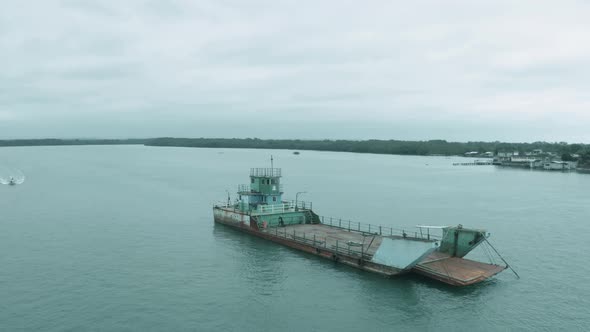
(455, 70)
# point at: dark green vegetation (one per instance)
(431, 147)
(55, 141)
(584, 161)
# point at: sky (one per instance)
(499, 70)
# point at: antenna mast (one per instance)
(271, 162)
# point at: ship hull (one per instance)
(311, 239)
(292, 236)
(327, 254)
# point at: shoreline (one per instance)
(434, 148)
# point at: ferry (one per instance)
(260, 210)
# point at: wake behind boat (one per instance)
(12, 180)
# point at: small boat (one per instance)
(12, 180)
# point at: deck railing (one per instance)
(270, 208)
(353, 226)
(269, 172)
(274, 208)
(284, 207)
(247, 188)
(304, 205)
(244, 188)
(225, 205)
(336, 246)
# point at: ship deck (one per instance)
(331, 237)
(456, 271)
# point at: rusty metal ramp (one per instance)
(456, 271)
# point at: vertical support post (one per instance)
(314, 239)
(336, 245)
(349, 225)
(362, 251)
(340, 223)
(369, 228)
(379, 230)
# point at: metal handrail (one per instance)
(244, 188)
(247, 188)
(353, 226)
(275, 208)
(284, 207)
(321, 243)
(301, 204)
(269, 172)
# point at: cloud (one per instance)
(380, 64)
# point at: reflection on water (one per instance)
(258, 262)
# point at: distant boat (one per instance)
(13, 180)
(296, 152)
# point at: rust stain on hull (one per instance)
(326, 253)
(456, 271)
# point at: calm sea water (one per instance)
(122, 238)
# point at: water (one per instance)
(122, 238)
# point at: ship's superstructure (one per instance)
(260, 204)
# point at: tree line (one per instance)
(56, 141)
(421, 148)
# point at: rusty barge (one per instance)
(261, 211)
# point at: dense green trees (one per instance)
(584, 161)
(431, 147)
(54, 141)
